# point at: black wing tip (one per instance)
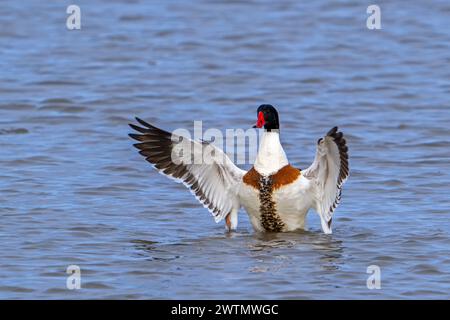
(135, 136)
(332, 131)
(146, 128)
(139, 120)
(341, 143)
(133, 126)
(144, 123)
(337, 135)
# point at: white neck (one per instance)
(271, 156)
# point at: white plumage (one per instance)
(223, 188)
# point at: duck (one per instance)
(276, 195)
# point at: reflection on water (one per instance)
(329, 250)
(271, 253)
(74, 191)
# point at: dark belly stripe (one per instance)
(270, 220)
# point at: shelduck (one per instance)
(276, 195)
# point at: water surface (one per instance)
(73, 191)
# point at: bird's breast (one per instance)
(260, 194)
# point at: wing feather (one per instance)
(214, 180)
(328, 172)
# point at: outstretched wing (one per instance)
(328, 173)
(204, 169)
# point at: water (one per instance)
(73, 191)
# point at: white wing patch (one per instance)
(204, 169)
(328, 173)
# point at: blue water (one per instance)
(73, 191)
